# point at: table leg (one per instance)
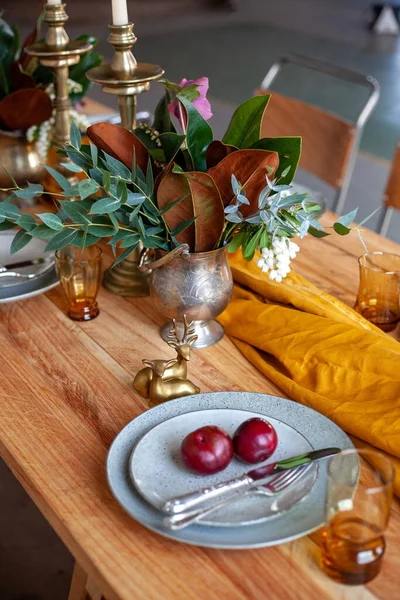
(82, 587)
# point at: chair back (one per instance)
(392, 191)
(328, 140)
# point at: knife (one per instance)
(26, 263)
(257, 476)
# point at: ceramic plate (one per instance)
(301, 519)
(20, 289)
(158, 472)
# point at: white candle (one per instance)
(54, 1)
(119, 12)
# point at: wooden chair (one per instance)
(330, 143)
(391, 197)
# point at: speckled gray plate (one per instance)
(158, 472)
(300, 520)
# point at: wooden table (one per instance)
(66, 392)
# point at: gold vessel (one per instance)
(20, 158)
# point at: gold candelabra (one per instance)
(59, 53)
(125, 78)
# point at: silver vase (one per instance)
(197, 285)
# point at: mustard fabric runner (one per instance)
(320, 352)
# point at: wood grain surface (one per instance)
(66, 392)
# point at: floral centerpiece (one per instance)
(171, 183)
(27, 88)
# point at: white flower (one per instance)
(276, 260)
(45, 131)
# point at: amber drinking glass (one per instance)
(80, 276)
(378, 297)
(358, 499)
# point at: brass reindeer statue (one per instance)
(163, 380)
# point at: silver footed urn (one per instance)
(197, 285)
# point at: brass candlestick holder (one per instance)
(125, 78)
(59, 53)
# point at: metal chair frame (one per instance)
(366, 81)
(384, 220)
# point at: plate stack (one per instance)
(144, 469)
(28, 272)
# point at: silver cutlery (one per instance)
(24, 263)
(5, 272)
(255, 477)
(275, 486)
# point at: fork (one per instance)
(275, 486)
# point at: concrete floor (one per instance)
(235, 50)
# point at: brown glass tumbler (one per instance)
(378, 297)
(80, 277)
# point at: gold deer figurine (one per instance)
(163, 380)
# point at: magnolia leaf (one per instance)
(51, 221)
(61, 240)
(170, 144)
(162, 118)
(199, 134)
(245, 127)
(21, 239)
(249, 168)
(119, 143)
(289, 150)
(216, 152)
(24, 108)
(199, 199)
(172, 186)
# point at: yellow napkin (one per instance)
(320, 352)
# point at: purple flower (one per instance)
(201, 103)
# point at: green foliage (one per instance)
(289, 150)
(199, 135)
(160, 193)
(245, 127)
